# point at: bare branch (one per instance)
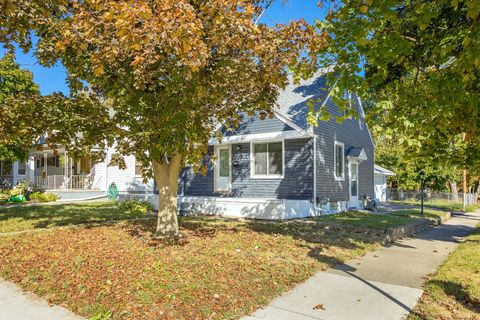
(269, 3)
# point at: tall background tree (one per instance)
(159, 75)
(419, 61)
(14, 81)
(404, 161)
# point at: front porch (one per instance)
(65, 182)
(6, 174)
(56, 170)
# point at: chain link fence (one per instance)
(430, 197)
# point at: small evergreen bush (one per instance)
(134, 205)
(43, 197)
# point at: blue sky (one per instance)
(53, 79)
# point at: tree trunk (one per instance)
(166, 176)
(454, 190)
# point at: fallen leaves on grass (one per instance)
(222, 270)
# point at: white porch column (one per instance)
(45, 170)
(30, 169)
(14, 172)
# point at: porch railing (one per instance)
(77, 182)
(6, 182)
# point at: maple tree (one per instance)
(154, 78)
(418, 60)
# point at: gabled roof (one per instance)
(383, 171)
(292, 101)
(356, 153)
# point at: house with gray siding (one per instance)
(275, 168)
(281, 167)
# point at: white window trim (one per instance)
(252, 161)
(215, 168)
(338, 143)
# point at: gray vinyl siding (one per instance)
(297, 181)
(253, 124)
(352, 133)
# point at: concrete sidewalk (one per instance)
(384, 284)
(18, 305)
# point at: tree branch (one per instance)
(269, 3)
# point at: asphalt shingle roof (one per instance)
(354, 152)
(292, 101)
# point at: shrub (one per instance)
(134, 205)
(472, 207)
(20, 188)
(37, 188)
(43, 197)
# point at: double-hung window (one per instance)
(339, 161)
(22, 168)
(267, 160)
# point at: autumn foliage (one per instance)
(164, 74)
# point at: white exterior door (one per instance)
(222, 169)
(380, 188)
(353, 170)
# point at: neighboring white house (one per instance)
(381, 182)
(72, 179)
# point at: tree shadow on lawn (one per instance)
(198, 227)
(457, 292)
(319, 238)
(43, 216)
(313, 236)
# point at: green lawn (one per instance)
(20, 217)
(428, 213)
(440, 204)
(368, 220)
(454, 291)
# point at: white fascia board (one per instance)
(382, 171)
(285, 119)
(363, 117)
(361, 157)
(268, 136)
